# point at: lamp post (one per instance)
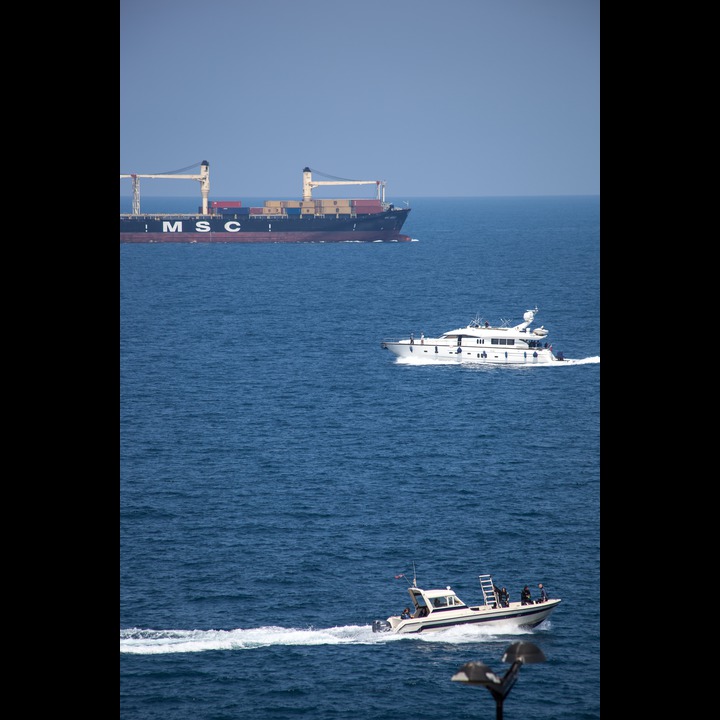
(477, 673)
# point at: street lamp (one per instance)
(477, 673)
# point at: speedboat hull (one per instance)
(515, 615)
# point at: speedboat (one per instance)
(442, 608)
(481, 342)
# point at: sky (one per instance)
(438, 98)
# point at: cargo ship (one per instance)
(276, 221)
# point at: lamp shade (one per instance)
(524, 652)
(476, 673)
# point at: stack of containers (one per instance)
(333, 207)
(226, 207)
(366, 207)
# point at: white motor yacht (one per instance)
(481, 342)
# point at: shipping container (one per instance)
(226, 204)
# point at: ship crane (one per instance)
(203, 178)
(309, 184)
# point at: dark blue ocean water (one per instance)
(278, 468)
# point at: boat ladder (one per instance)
(488, 590)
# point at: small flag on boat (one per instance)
(397, 577)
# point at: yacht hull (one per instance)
(432, 350)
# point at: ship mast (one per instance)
(203, 178)
(309, 184)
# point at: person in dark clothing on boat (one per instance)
(504, 597)
(405, 614)
(543, 595)
(525, 598)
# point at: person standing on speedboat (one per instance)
(498, 596)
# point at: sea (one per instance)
(283, 478)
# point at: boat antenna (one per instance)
(402, 575)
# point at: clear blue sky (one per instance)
(436, 97)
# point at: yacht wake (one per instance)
(567, 362)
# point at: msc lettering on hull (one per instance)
(201, 226)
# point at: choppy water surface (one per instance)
(278, 468)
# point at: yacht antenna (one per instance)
(414, 576)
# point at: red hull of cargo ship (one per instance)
(264, 237)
